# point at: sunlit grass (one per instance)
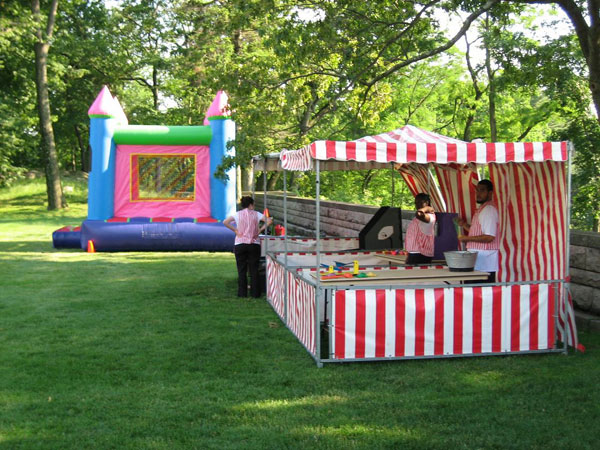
(154, 350)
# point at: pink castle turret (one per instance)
(218, 108)
(104, 106)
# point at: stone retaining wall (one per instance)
(337, 218)
(585, 278)
(346, 220)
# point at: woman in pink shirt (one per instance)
(420, 234)
(247, 245)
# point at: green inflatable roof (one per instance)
(162, 135)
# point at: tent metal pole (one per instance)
(285, 247)
(555, 337)
(570, 152)
(253, 186)
(318, 287)
(393, 183)
(265, 205)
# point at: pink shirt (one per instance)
(420, 236)
(246, 222)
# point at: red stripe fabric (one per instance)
(400, 338)
(496, 318)
(551, 312)
(380, 323)
(330, 146)
(515, 318)
(419, 322)
(458, 321)
(534, 318)
(351, 151)
(439, 322)
(477, 332)
(360, 324)
(340, 324)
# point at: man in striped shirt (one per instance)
(420, 234)
(483, 233)
(247, 245)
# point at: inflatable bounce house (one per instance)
(152, 188)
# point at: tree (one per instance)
(588, 36)
(43, 36)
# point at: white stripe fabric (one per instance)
(377, 323)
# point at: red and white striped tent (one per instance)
(531, 182)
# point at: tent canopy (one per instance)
(530, 179)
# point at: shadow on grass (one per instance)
(32, 247)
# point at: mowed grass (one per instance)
(155, 351)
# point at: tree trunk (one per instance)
(472, 109)
(53, 185)
(84, 151)
(272, 181)
(248, 179)
(238, 182)
(593, 59)
(491, 87)
(155, 87)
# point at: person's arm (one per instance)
(463, 223)
(423, 214)
(227, 222)
(488, 218)
(267, 221)
(481, 238)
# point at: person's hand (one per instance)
(460, 221)
(463, 238)
(269, 221)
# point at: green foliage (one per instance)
(363, 187)
(585, 135)
(294, 73)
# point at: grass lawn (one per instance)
(155, 351)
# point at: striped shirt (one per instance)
(246, 222)
(420, 236)
(485, 221)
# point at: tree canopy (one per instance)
(297, 72)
